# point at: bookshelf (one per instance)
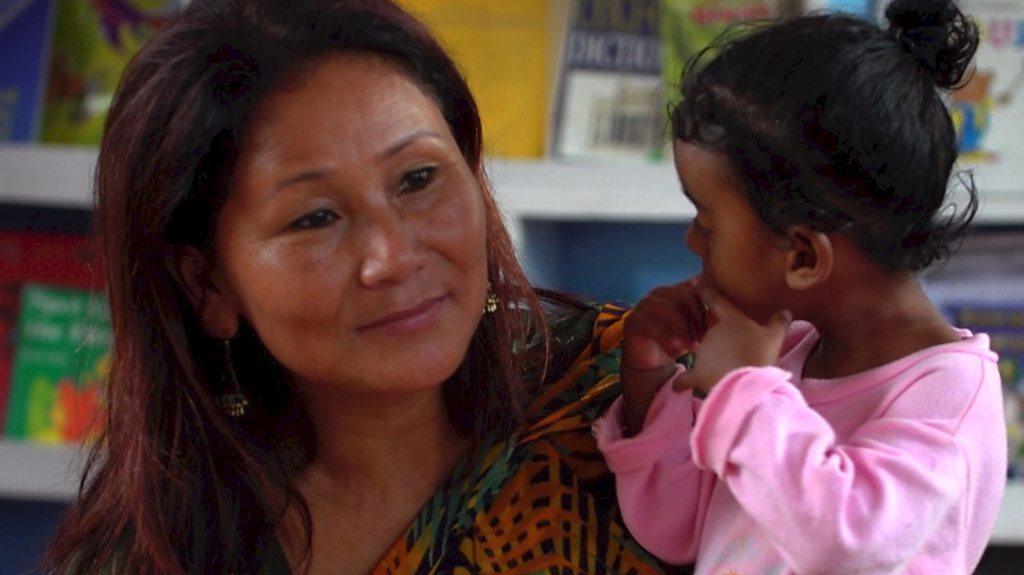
(61, 176)
(56, 176)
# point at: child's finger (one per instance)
(684, 381)
(678, 327)
(655, 337)
(685, 320)
(696, 313)
(683, 297)
(715, 303)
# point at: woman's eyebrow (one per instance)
(409, 139)
(324, 173)
(309, 175)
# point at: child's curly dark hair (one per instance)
(836, 123)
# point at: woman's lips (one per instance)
(411, 319)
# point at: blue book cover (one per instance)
(24, 53)
(1004, 325)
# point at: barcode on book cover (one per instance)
(626, 129)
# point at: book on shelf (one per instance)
(502, 48)
(982, 289)
(861, 8)
(91, 43)
(60, 364)
(10, 293)
(689, 26)
(24, 48)
(989, 110)
(1005, 328)
(54, 259)
(49, 258)
(609, 102)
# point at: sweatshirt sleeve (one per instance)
(863, 505)
(662, 494)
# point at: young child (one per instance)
(868, 436)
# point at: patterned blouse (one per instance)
(542, 500)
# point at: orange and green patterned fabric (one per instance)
(541, 500)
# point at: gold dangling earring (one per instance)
(233, 401)
(491, 303)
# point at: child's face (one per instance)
(740, 255)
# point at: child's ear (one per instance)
(209, 297)
(809, 259)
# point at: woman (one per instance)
(327, 359)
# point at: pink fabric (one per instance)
(899, 469)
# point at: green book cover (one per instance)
(93, 40)
(689, 26)
(60, 364)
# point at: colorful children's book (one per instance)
(1005, 327)
(862, 8)
(24, 50)
(55, 259)
(61, 362)
(981, 288)
(93, 40)
(49, 258)
(989, 109)
(609, 103)
(9, 296)
(688, 26)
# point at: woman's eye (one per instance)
(313, 220)
(417, 179)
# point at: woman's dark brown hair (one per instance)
(174, 486)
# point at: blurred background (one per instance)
(573, 97)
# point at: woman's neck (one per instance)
(873, 321)
(378, 440)
(378, 460)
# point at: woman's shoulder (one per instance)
(581, 377)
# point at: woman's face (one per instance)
(353, 237)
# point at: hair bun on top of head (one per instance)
(938, 34)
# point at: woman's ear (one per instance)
(810, 257)
(211, 299)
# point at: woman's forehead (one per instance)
(343, 100)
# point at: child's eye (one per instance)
(313, 220)
(417, 179)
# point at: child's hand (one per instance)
(734, 341)
(666, 323)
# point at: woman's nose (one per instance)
(391, 251)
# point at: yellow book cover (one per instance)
(502, 48)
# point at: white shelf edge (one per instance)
(55, 176)
(40, 472)
(31, 471)
(61, 176)
(570, 191)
